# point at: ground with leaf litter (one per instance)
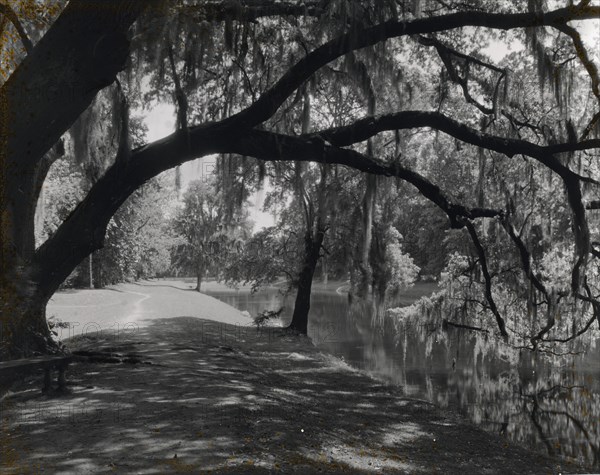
(190, 395)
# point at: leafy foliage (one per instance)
(207, 233)
(264, 258)
(395, 269)
(138, 239)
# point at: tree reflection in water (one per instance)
(547, 402)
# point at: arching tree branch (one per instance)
(271, 146)
(271, 100)
(324, 147)
(83, 231)
(362, 129)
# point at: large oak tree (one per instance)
(91, 43)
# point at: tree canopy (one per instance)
(490, 110)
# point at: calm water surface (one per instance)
(548, 406)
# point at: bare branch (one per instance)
(535, 280)
(446, 53)
(524, 256)
(595, 316)
(487, 277)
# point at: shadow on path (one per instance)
(206, 397)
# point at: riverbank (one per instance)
(210, 285)
(196, 395)
(340, 287)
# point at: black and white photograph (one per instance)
(300, 237)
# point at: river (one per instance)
(549, 406)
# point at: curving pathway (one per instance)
(128, 307)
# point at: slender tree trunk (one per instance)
(91, 272)
(311, 257)
(302, 304)
(313, 241)
(365, 286)
(366, 270)
(199, 276)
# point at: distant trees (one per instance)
(139, 239)
(207, 232)
(269, 255)
(427, 235)
(63, 189)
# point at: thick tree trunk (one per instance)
(79, 55)
(23, 330)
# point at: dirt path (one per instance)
(124, 308)
(207, 397)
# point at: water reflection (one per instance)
(551, 406)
